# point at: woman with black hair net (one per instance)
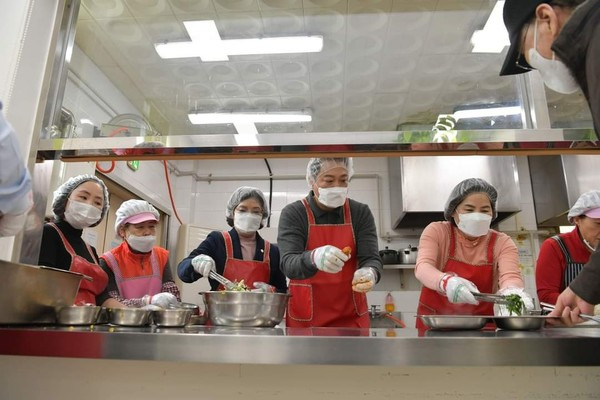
(462, 256)
(81, 202)
(240, 253)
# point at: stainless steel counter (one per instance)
(578, 346)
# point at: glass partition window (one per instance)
(383, 66)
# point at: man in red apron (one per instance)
(329, 251)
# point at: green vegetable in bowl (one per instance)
(239, 287)
(514, 304)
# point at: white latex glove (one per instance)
(458, 290)
(161, 299)
(329, 259)
(363, 280)
(203, 264)
(502, 309)
(262, 287)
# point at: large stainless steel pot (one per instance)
(31, 294)
(228, 308)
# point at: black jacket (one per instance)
(578, 46)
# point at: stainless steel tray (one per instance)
(457, 322)
(520, 322)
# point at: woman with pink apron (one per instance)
(462, 256)
(81, 202)
(138, 270)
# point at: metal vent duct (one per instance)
(420, 186)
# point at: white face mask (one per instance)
(555, 73)
(247, 222)
(10, 225)
(81, 215)
(474, 224)
(333, 197)
(143, 244)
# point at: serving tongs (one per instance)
(222, 280)
(490, 298)
(550, 307)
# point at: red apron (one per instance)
(432, 302)
(249, 270)
(87, 290)
(134, 287)
(327, 300)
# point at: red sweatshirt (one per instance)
(551, 264)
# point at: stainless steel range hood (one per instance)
(558, 181)
(420, 186)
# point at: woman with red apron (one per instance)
(463, 256)
(329, 251)
(138, 270)
(239, 254)
(81, 202)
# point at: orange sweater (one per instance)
(434, 246)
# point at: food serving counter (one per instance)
(579, 346)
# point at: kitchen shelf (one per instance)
(399, 266)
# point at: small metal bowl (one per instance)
(172, 317)
(186, 306)
(77, 315)
(456, 322)
(520, 322)
(129, 316)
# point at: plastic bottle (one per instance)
(389, 303)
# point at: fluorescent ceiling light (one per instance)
(487, 112)
(494, 36)
(232, 118)
(207, 44)
(244, 122)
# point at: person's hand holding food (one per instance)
(203, 264)
(329, 259)
(518, 302)
(363, 280)
(262, 287)
(162, 299)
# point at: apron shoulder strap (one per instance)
(453, 240)
(65, 242)
(347, 215)
(113, 264)
(228, 244)
(267, 257)
(309, 213)
(490, 252)
(563, 248)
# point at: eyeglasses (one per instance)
(521, 62)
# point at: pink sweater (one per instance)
(434, 246)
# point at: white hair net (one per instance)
(318, 166)
(467, 187)
(62, 193)
(244, 193)
(133, 207)
(586, 202)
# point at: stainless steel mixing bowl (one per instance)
(129, 316)
(520, 322)
(171, 317)
(459, 322)
(227, 308)
(77, 315)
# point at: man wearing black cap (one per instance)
(559, 38)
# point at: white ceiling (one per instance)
(385, 63)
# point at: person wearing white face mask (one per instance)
(329, 250)
(560, 39)
(240, 253)
(463, 255)
(81, 202)
(138, 271)
(562, 257)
